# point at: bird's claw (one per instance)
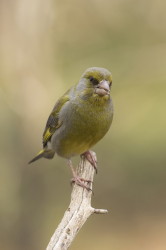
(80, 182)
(91, 157)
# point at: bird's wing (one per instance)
(53, 122)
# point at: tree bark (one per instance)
(78, 211)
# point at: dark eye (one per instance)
(93, 80)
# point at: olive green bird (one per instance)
(79, 119)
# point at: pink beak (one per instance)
(103, 88)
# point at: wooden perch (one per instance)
(78, 211)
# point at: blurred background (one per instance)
(45, 46)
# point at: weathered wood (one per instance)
(78, 211)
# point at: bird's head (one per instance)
(96, 82)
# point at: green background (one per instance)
(45, 46)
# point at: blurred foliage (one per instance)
(44, 48)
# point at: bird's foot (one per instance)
(80, 182)
(91, 157)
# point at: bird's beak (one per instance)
(103, 88)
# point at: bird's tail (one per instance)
(45, 153)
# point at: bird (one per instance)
(79, 119)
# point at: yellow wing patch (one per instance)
(49, 132)
(47, 135)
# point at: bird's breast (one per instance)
(82, 127)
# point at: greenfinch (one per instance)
(79, 119)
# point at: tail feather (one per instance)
(49, 154)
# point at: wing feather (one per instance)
(53, 122)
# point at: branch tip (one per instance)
(100, 211)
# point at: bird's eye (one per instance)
(93, 80)
(110, 84)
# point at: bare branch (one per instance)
(78, 211)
